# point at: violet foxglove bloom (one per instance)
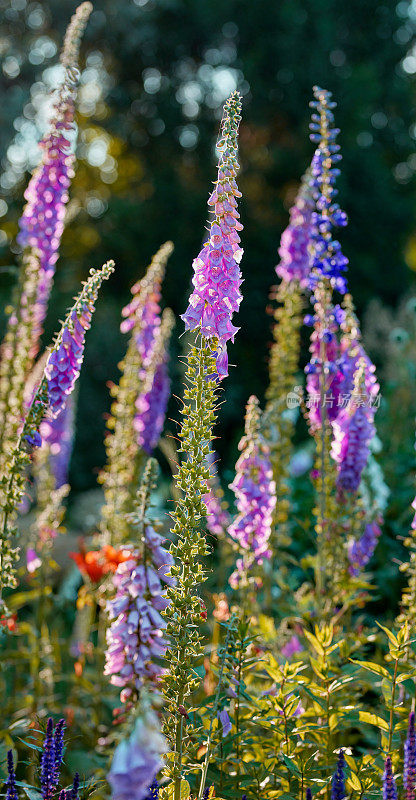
(354, 427)
(295, 241)
(64, 363)
(291, 647)
(58, 434)
(217, 279)
(138, 759)
(409, 771)
(361, 550)
(255, 493)
(11, 793)
(389, 783)
(42, 222)
(327, 259)
(152, 401)
(33, 562)
(225, 722)
(338, 781)
(151, 410)
(135, 641)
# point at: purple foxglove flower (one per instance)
(217, 279)
(308, 793)
(255, 493)
(409, 771)
(294, 244)
(137, 760)
(11, 793)
(42, 221)
(151, 409)
(361, 551)
(413, 525)
(327, 259)
(338, 781)
(135, 641)
(225, 722)
(33, 562)
(58, 434)
(389, 783)
(64, 363)
(352, 435)
(291, 647)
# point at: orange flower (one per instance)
(96, 563)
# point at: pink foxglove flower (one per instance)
(255, 493)
(217, 279)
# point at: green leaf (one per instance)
(373, 719)
(33, 794)
(377, 669)
(291, 765)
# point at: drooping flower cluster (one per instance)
(64, 363)
(152, 401)
(135, 642)
(254, 489)
(294, 250)
(42, 221)
(354, 428)
(389, 783)
(138, 758)
(58, 434)
(217, 279)
(361, 550)
(409, 771)
(327, 259)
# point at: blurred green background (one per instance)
(154, 76)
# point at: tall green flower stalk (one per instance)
(278, 420)
(216, 295)
(54, 386)
(148, 342)
(41, 228)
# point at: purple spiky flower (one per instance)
(338, 780)
(58, 434)
(42, 222)
(64, 363)
(295, 241)
(11, 793)
(47, 763)
(217, 279)
(327, 259)
(135, 641)
(409, 771)
(389, 783)
(254, 489)
(361, 550)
